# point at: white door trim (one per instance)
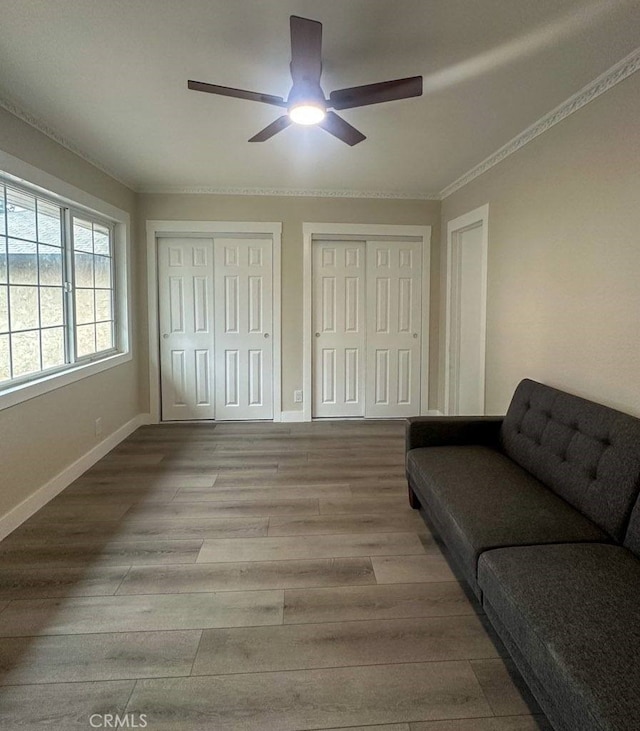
(365, 231)
(209, 229)
(454, 228)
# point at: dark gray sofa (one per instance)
(540, 512)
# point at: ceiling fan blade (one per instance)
(306, 50)
(385, 91)
(252, 96)
(337, 126)
(272, 129)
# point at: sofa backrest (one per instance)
(587, 453)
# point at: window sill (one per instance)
(32, 389)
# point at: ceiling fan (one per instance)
(306, 103)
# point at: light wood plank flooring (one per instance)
(246, 577)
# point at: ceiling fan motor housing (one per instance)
(306, 92)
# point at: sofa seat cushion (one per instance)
(573, 612)
(478, 499)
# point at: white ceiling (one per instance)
(109, 77)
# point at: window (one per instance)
(57, 286)
(93, 279)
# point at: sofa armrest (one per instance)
(440, 431)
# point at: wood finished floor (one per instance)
(246, 577)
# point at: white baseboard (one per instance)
(57, 484)
(434, 412)
(292, 416)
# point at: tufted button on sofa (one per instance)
(540, 512)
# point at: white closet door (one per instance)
(394, 274)
(338, 328)
(466, 359)
(185, 271)
(243, 276)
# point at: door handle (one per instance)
(415, 335)
(266, 335)
(317, 335)
(166, 336)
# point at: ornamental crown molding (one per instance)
(53, 134)
(617, 73)
(287, 192)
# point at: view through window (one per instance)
(56, 286)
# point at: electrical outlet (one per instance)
(98, 426)
(297, 397)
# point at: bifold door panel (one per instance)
(338, 328)
(393, 329)
(185, 268)
(216, 318)
(366, 316)
(243, 328)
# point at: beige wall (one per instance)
(40, 437)
(564, 256)
(292, 212)
(23, 141)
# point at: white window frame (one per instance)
(75, 212)
(16, 171)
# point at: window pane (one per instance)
(21, 214)
(4, 309)
(3, 260)
(101, 240)
(5, 359)
(39, 254)
(52, 347)
(50, 260)
(24, 307)
(49, 224)
(84, 306)
(103, 272)
(104, 336)
(23, 262)
(84, 270)
(85, 340)
(25, 348)
(103, 304)
(82, 239)
(51, 307)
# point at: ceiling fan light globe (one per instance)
(307, 114)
